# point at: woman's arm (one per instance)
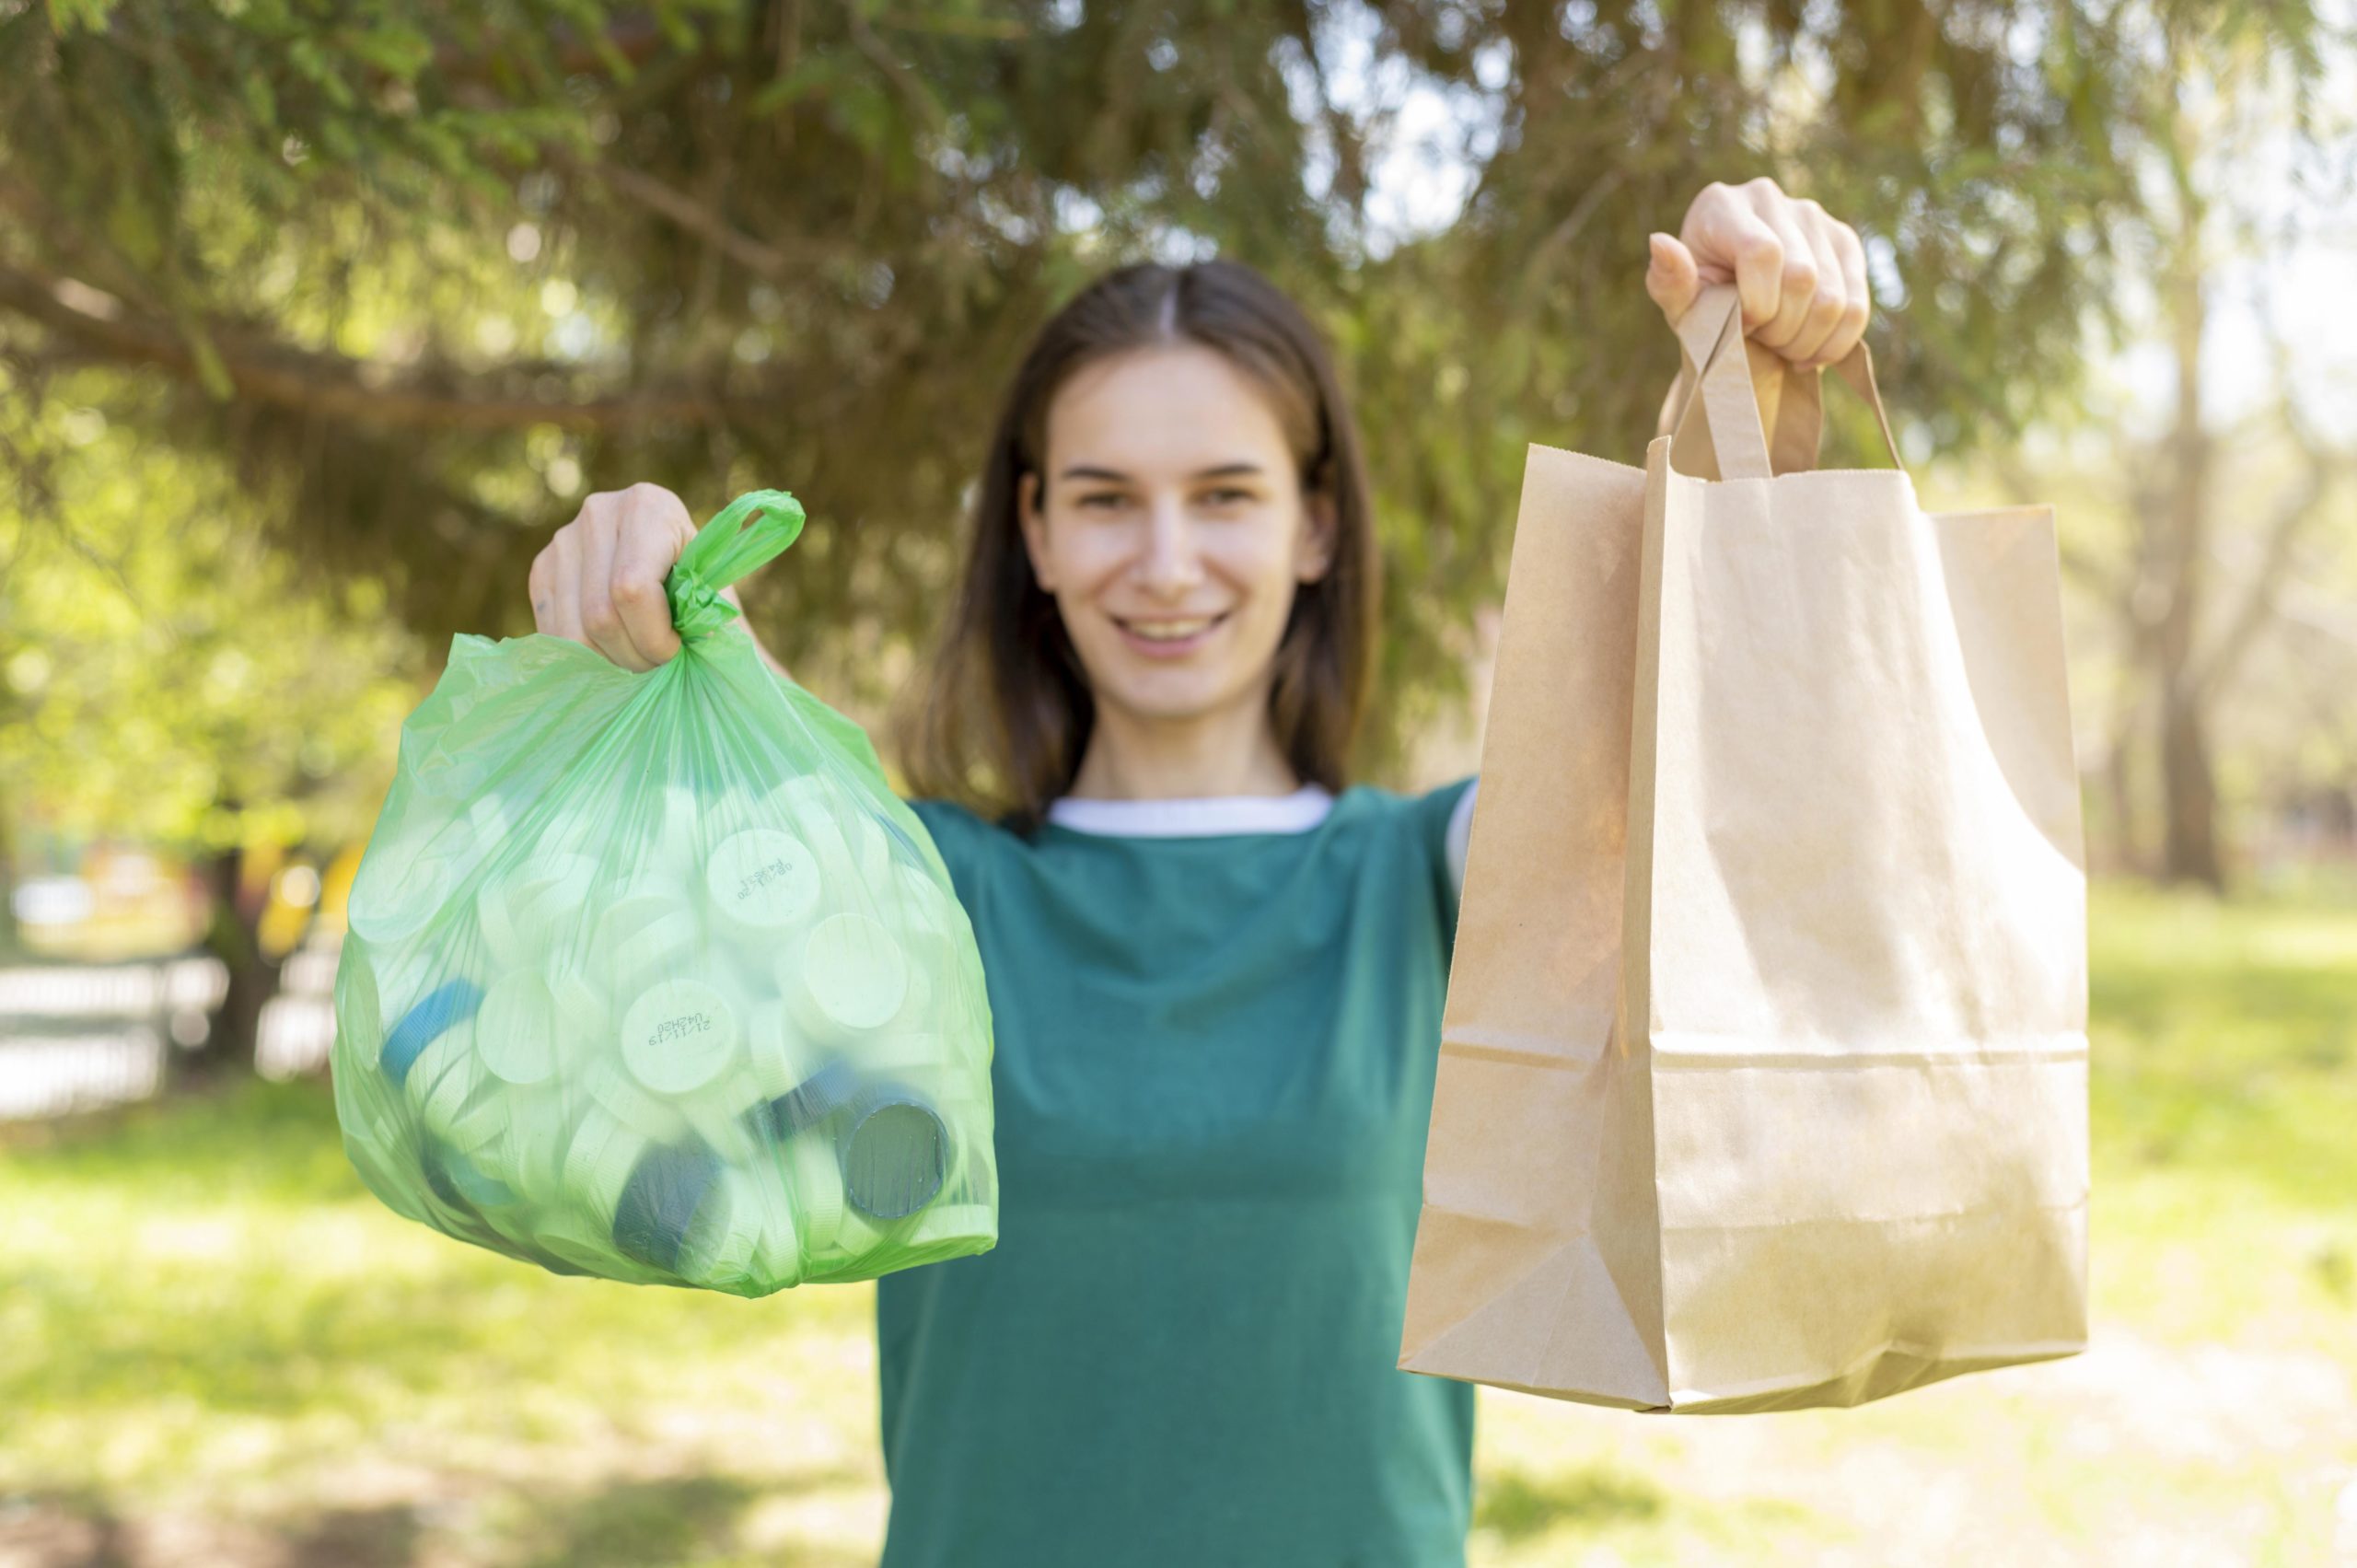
(600, 580)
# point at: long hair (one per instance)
(1006, 712)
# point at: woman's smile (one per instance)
(1168, 637)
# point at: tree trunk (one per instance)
(233, 936)
(2188, 792)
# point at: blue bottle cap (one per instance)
(445, 1005)
(660, 1201)
(895, 1151)
(808, 1103)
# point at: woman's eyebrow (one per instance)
(1082, 471)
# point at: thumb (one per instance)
(1671, 276)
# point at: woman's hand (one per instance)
(1801, 274)
(599, 581)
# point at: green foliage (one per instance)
(441, 270)
(164, 674)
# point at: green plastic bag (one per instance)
(651, 977)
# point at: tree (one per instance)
(423, 276)
(2202, 481)
(169, 678)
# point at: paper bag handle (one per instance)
(1728, 400)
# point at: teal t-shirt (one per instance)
(1213, 1080)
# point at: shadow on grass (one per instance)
(1516, 1506)
(641, 1523)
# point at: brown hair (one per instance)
(1006, 713)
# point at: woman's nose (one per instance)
(1170, 566)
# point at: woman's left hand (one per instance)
(1801, 274)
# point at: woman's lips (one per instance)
(1169, 647)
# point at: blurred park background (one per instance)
(314, 319)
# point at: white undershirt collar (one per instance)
(1201, 816)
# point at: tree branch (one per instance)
(106, 331)
(2257, 606)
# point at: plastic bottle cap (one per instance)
(405, 892)
(447, 1077)
(811, 1101)
(515, 1030)
(529, 1153)
(849, 972)
(895, 1152)
(656, 953)
(760, 1188)
(621, 1097)
(581, 1010)
(761, 881)
(472, 1182)
(553, 885)
(619, 925)
(659, 1203)
(718, 1115)
(817, 1191)
(779, 1056)
(598, 1161)
(451, 1002)
(679, 1036)
(496, 921)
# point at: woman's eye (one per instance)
(1102, 501)
(1228, 497)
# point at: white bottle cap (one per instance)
(516, 1029)
(398, 896)
(679, 1036)
(778, 1255)
(846, 977)
(762, 882)
(581, 1012)
(779, 1056)
(494, 917)
(644, 902)
(621, 1097)
(717, 1114)
(818, 1189)
(444, 1082)
(658, 951)
(529, 1153)
(598, 1161)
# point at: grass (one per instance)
(216, 1347)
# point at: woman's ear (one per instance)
(1314, 555)
(1035, 528)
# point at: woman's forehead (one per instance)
(1177, 410)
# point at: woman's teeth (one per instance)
(1170, 631)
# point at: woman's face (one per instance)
(1174, 530)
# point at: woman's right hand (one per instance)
(600, 579)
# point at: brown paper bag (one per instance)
(1763, 1076)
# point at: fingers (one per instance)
(1857, 295)
(655, 529)
(1801, 273)
(601, 619)
(561, 616)
(1730, 241)
(600, 580)
(1797, 278)
(1671, 277)
(1821, 316)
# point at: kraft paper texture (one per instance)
(1764, 1073)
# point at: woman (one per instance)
(1216, 970)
